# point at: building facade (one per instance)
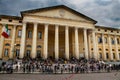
(57, 32)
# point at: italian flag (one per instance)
(5, 32)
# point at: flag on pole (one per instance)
(5, 32)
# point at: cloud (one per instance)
(106, 12)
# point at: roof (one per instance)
(58, 6)
(10, 17)
(104, 27)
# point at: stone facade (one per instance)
(56, 32)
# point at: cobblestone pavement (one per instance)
(90, 76)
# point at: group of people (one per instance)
(27, 65)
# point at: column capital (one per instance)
(35, 23)
(46, 24)
(24, 22)
(15, 26)
(93, 30)
(85, 28)
(3, 24)
(56, 25)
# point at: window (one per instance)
(28, 46)
(17, 44)
(39, 46)
(38, 53)
(119, 55)
(6, 52)
(98, 29)
(105, 40)
(29, 34)
(105, 30)
(100, 55)
(39, 35)
(118, 41)
(92, 55)
(19, 33)
(107, 55)
(20, 21)
(106, 49)
(9, 31)
(10, 20)
(17, 52)
(28, 53)
(113, 55)
(112, 41)
(100, 49)
(7, 44)
(99, 40)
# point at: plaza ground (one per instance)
(90, 76)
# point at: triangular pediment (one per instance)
(59, 12)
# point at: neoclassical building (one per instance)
(57, 32)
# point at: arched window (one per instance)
(29, 34)
(6, 52)
(107, 55)
(118, 41)
(112, 41)
(113, 55)
(105, 40)
(100, 55)
(39, 35)
(99, 39)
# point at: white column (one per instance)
(67, 42)
(76, 44)
(89, 42)
(46, 41)
(12, 49)
(56, 42)
(2, 43)
(34, 41)
(103, 44)
(116, 46)
(85, 43)
(94, 45)
(22, 44)
(110, 48)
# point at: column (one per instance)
(56, 42)
(103, 44)
(34, 41)
(22, 44)
(12, 49)
(85, 43)
(110, 48)
(94, 45)
(46, 41)
(116, 46)
(76, 44)
(67, 42)
(1, 43)
(89, 42)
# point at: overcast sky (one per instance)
(106, 12)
